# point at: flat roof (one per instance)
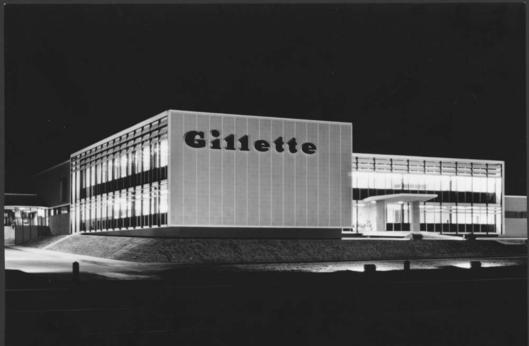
(170, 111)
(52, 167)
(428, 158)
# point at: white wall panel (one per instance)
(221, 187)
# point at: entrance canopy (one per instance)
(401, 197)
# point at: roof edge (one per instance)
(50, 168)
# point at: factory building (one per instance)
(184, 173)
(217, 171)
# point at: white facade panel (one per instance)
(265, 183)
(515, 217)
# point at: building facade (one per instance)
(194, 169)
(121, 182)
(516, 217)
(221, 171)
(453, 196)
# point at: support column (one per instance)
(415, 217)
(380, 216)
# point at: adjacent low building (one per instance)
(451, 196)
(183, 173)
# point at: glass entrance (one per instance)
(397, 216)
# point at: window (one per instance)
(164, 152)
(163, 197)
(146, 156)
(111, 205)
(146, 200)
(123, 163)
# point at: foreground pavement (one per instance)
(39, 261)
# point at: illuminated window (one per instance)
(99, 178)
(463, 183)
(104, 206)
(138, 158)
(104, 171)
(146, 200)
(110, 169)
(123, 203)
(164, 152)
(138, 200)
(154, 198)
(163, 197)
(362, 179)
(479, 184)
(93, 175)
(146, 157)
(98, 208)
(117, 170)
(116, 205)
(155, 154)
(130, 196)
(123, 158)
(129, 162)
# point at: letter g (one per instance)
(191, 139)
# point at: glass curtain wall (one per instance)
(470, 194)
(122, 183)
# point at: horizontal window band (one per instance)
(126, 222)
(516, 214)
(442, 196)
(444, 227)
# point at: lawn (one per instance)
(210, 251)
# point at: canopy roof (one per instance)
(401, 197)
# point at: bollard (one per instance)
(75, 272)
(370, 268)
(475, 265)
(407, 265)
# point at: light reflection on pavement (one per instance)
(358, 266)
(32, 260)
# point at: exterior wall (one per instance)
(515, 216)
(9, 235)
(469, 192)
(53, 185)
(221, 187)
(59, 224)
(121, 182)
(25, 234)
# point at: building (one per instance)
(218, 173)
(184, 173)
(45, 212)
(453, 196)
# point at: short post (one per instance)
(75, 272)
(406, 266)
(370, 268)
(475, 265)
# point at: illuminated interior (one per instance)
(121, 183)
(25, 216)
(469, 193)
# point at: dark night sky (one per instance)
(433, 80)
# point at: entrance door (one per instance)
(397, 216)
